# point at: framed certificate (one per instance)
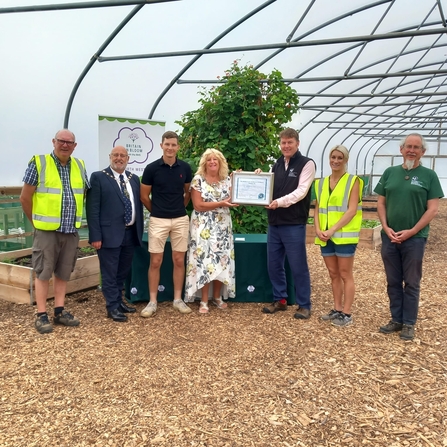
(248, 188)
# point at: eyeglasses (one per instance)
(119, 155)
(410, 146)
(68, 143)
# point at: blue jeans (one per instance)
(290, 241)
(403, 269)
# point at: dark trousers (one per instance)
(403, 269)
(115, 265)
(290, 241)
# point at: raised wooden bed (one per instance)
(17, 282)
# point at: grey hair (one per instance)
(404, 140)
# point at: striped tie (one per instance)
(127, 203)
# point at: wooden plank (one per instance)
(15, 275)
(87, 282)
(10, 191)
(86, 267)
(370, 215)
(14, 294)
(81, 278)
(75, 285)
(15, 253)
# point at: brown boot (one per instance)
(302, 314)
(274, 307)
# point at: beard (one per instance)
(409, 164)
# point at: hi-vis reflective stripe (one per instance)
(43, 173)
(349, 234)
(49, 190)
(83, 175)
(46, 218)
(336, 208)
(341, 209)
(320, 191)
(346, 194)
(320, 188)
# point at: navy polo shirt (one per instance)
(168, 187)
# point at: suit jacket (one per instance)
(105, 209)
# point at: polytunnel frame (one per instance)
(367, 141)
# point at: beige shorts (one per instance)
(177, 229)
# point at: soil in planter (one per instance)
(25, 261)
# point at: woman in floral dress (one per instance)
(210, 258)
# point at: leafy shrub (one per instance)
(241, 117)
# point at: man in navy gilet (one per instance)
(287, 216)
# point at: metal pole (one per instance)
(83, 5)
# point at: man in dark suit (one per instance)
(115, 224)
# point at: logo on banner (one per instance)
(138, 144)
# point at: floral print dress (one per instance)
(210, 246)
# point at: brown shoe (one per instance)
(302, 314)
(274, 307)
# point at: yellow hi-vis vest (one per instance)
(332, 206)
(47, 199)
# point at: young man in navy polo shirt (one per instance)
(165, 194)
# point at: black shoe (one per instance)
(116, 315)
(126, 309)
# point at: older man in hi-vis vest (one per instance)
(52, 199)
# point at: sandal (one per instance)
(219, 302)
(203, 309)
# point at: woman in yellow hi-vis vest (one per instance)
(338, 218)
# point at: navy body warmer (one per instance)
(285, 182)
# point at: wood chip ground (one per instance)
(235, 377)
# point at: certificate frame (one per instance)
(248, 188)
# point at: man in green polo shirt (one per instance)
(408, 200)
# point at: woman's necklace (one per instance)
(212, 182)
